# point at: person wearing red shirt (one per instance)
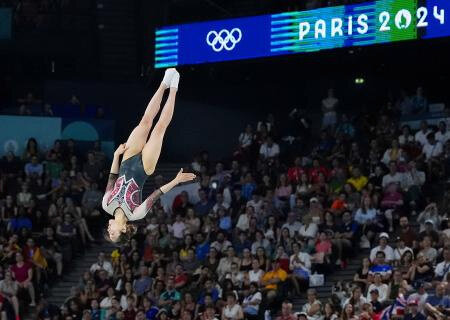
(295, 172)
(286, 312)
(130, 311)
(180, 277)
(315, 170)
(23, 274)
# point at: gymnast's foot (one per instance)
(175, 80)
(168, 75)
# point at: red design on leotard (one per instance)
(125, 192)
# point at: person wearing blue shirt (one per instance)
(208, 290)
(241, 243)
(224, 220)
(204, 206)
(15, 224)
(438, 305)
(202, 248)
(381, 267)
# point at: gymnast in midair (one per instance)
(123, 196)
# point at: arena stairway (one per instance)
(342, 275)
(60, 291)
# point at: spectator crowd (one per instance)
(287, 206)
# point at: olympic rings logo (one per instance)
(223, 39)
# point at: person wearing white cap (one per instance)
(429, 213)
(383, 246)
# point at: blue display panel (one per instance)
(301, 31)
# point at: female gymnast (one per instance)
(123, 196)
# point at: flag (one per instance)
(397, 308)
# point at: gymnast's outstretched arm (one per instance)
(141, 211)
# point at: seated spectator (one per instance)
(8, 290)
(170, 295)
(383, 247)
(427, 250)
(313, 308)
(232, 309)
(421, 271)
(23, 274)
(226, 262)
(252, 300)
(438, 305)
(357, 180)
(269, 150)
(394, 153)
(442, 135)
(366, 218)
(443, 268)
(143, 283)
(429, 215)
(286, 312)
(421, 135)
(380, 266)
(356, 300)
(413, 311)
(393, 176)
(413, 181)
(400, 250)
(432, 149)
(24, 197)
(273, 280)
(381, 288)
(102, 264)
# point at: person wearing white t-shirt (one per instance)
(421, 135)
(384, 247)
(432, 148)
(269, 149)
(443, 135)
(383, 289)
(178, 228)
(393, 176)
(232, 310)
(102, 264)
(256, 274)
(443, 268)
(252, 300)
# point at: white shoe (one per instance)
(168, 75)
(175, 80)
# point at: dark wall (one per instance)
(195, 126)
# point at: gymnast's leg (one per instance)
(152, 149)
(138, 137)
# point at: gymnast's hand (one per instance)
(120, 149)
(184, 177)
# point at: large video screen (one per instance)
(361, 24)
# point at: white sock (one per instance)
(168, 76)
(175, 80)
